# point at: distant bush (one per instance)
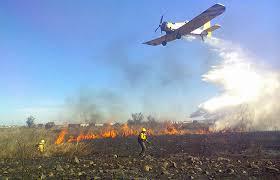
(30, 121)
(49, 125)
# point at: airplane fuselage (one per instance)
(169, 27)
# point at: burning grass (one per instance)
(21, 142)
(124, 130)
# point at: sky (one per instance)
(55, 52)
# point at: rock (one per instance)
(96, 177)
(91, 163)
(59, 168)
(81, 173)
(173, 164)
(76, 160)
(192, 171)
(147, 168)
(191, 159)
(272, 169)
(230, 171)
(252, 165)
(165, 172)
(43, 176)
(51, 174)
(165, 164)
(115, 156)
(244, 172)
(101, 171)
(120, 166)
(198, 169)
(223, 159)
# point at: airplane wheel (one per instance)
(164, 43)
(178, 36)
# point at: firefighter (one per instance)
(142, 140)
(41, 146)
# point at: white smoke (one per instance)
(250, 93)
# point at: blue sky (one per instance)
(51, 51)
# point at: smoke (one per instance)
(93, 106)
(249, 92)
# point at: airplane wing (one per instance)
(195, 23)
(165, 38)
(201, 19)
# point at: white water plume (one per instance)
(250, 93)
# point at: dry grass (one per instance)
(21, 143)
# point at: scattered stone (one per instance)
(43, 176)
(165, 164)
(81, 173)
(198, 169)
(59, 168)
(91, 163)
(76, 160)
(223, 159)
(230, 171)
(254, 166)
(51, 174)
(272, 169)
(147, 168)
(173, 164)
(165, 172)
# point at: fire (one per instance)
(171, 130)
(109, 134)
(125, 131)
(60, 137)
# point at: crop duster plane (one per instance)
(198, 26)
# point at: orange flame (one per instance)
(60, 138)
(125, 131)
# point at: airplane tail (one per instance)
(207, 30)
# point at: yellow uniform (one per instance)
(41, 146)
(142, 138)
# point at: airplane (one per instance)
(198, 26)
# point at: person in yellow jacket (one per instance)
(41, 146)
(142, 140)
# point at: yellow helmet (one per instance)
(144, 130)
(42, 141)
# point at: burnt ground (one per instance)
(252, 155)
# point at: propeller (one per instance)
(159, 24)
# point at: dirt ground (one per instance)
(252, 155)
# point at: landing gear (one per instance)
(178, 36)
(164, 43)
